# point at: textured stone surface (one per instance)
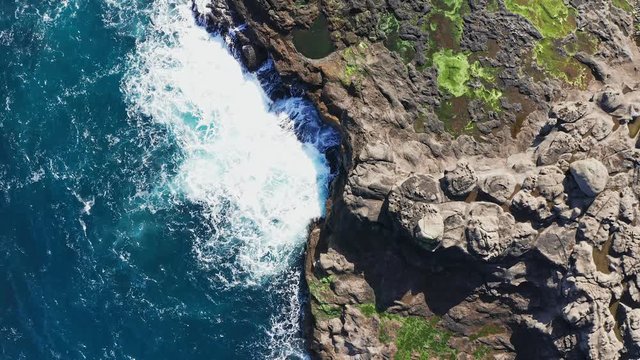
(520, 234)
(591, 175)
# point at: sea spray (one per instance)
(255, 166)
(135, 222)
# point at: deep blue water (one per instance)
(153, 200)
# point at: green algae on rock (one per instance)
(315, 42)
(453, 72)
(555, 21)
(390, 27)
(622, 4)
(354, 58)
(553, 18)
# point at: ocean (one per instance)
(154, 195)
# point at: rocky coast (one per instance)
(487, 200)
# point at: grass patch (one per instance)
(454, 10)
(330, 311)
(482, 352)
(561, 64)
(368, 309)
(320, 290)
(421, 337)
(415, 337)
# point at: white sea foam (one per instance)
(256, 183)
(259, 186)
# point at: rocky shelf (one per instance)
(487, 205)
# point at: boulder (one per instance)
(430, 229)
(461, 181)
(631, 330)
(488, 230)
(590, 175)
(556, 244)
(253, 57)
(334, 263)
(556, 146)
(570, 112)
(549, 182)
(499, 187)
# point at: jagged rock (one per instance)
(628, 205)
(556, 244)
(430, 229)
(358, 337)
(410, 206)
(334, 263)
(549, 182)
(423, 188)
(524, 237)
(376, 151)
(631, 330)
(556, 146)
(590, 175)
(488, 230)
(367, 188)
(454, 215)
(606, 207)
(634, 288)
(591, 230)
(461, 181)
(578, 314)
(601, 128)
(253, 57)
(354, 289)
(588, 285)
(570, 112)
(499, 187)
(524, 202)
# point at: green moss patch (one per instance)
(390, 27)
(454, 10)
(553, 18)
(556, 21)
(368, 309)
(320, 291)
(354, 58)
(455, 74)
(622, 4)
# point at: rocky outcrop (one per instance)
(591, 176)
(511, 233)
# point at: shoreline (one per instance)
(469, 234)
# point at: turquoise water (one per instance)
(153, 199)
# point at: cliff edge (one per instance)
(487, 200)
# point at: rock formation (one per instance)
(487, 200)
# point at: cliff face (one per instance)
(488, 196)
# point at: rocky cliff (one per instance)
(488, 195)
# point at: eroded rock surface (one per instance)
(498, 213)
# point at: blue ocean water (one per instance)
(154, 200)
